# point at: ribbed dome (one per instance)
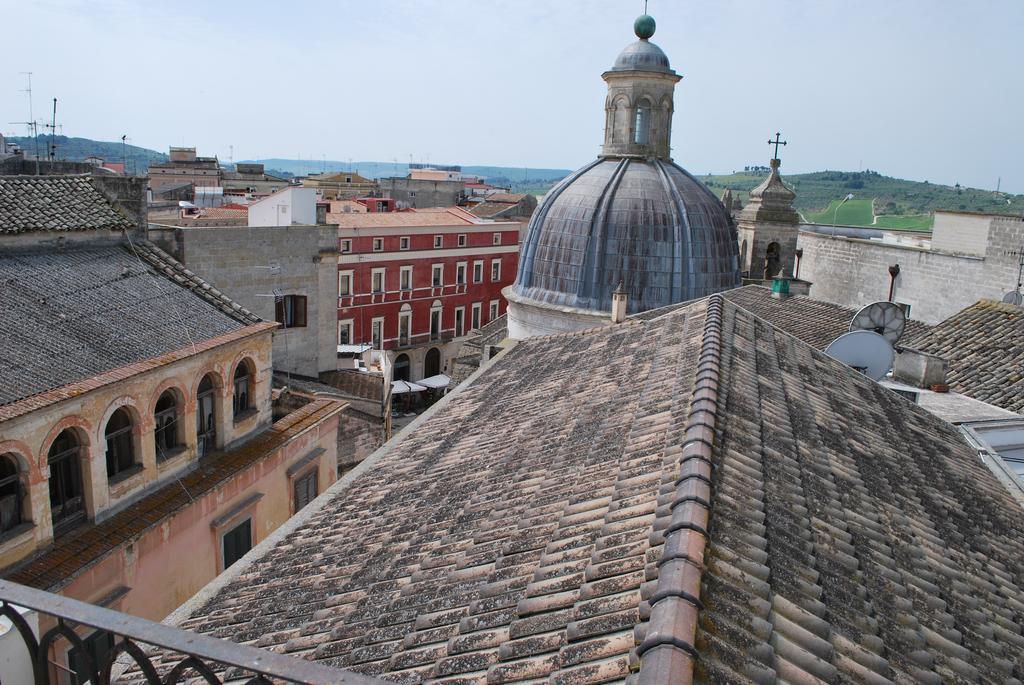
(642, 55)
(645, 223)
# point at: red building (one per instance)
(410, 282)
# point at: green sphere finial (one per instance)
(644, 26)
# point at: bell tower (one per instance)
(641, 89)
(769, 226)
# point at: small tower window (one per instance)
(643, 125)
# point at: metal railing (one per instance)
(197, 655)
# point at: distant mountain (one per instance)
(879, 200)
(77, 149)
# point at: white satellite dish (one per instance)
(884, 318)
(866, 351)
(1013, 297)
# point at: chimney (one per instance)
(920, 369)
(619, 304)
(780, 286)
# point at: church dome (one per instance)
(642, 55)
(647, 224)
(632, 216)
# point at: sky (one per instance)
(917, 89)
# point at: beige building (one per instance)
(139, 451)
(346, 185)
(184, 167)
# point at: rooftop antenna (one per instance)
(886, 319)
(52, 152)
(1015, 297)
(231, 154)
(31, 117)
(124, 152)
(865, 351)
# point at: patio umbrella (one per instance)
(438, 381)
(402, 387)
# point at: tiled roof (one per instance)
(984, 345)
(55, 203)
(488, 210)
(79, 549)
(550, 523)
(72, 314)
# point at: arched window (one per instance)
(11, 493)
(165, 419)
(432, 363)
(242, 400)
(401, 369)
(66, 502)
(641, 133)
(120, 453)
(206, 420)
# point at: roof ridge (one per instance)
(667, 651)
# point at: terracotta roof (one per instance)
(984, 345)
(74, 314)
(549, 522)
(506, 198)
(368, 386)
(815, 322)
(79, 549)
(56, 203)
(487, 210)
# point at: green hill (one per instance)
(880, 201)
(77, 149)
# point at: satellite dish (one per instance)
(884, 318)
(1013, 297)
(866, 351)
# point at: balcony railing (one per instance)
(199, 655)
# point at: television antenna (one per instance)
(884, 318)
(865, 351)
(1015, 296)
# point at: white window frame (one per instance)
(403, 243)
(476, 315)
(460, 270)
(405, 278)
(495, 310)
(346, 245)
(438, 242)
(378, 244)
(374, 322)
(496, 239)
(478, 271)
(383, 280)
(460, 314)
(462, 240)
(342, 276)
(350, 325)
(435, 268)
(495, 270)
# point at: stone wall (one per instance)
(359, 435)
(248, 263)
(854, 272)
(423, 193)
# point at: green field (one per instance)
(860, 213)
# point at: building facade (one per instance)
(184, 167)
(412, 282)
(419, 193)
(343, 185)
(139, 452)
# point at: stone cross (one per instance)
(777, 143)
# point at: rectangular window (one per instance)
(403, 243)
(305, 489)
(344, 283)
(462, 240)
(290, 310)
(98, 644)
(404, 328)
(437, 275)
(405, 278)
(478, 272)
(438, 239)
(346, 246)
(345, 332)
(496, 239)
(495, 270)
(378, 280)
(236, 542)
(476, 315)
(378, 244)
(460, 321)
(460, 273)
(435, 324)
(494, 311)
(377, 327)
